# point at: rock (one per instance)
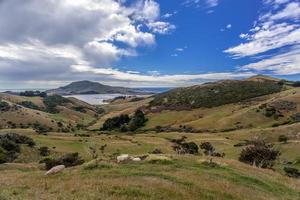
(55, 170)
(123, 158)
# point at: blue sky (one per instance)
(146, 43)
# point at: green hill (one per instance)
(216, 94)
(88, 87)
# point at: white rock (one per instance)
(55, 170)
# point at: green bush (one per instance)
(283, 138)
(51, 103)
(44, 151)
(10, 146)
(68, 160)
(29, 104)
(124, 123)
(292, 172)
(259, 154)
(4, 106)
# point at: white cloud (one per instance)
(201, 3)
(277, 33)
(161, 80)
(168, 15)
(228, 26)
(267, 38)
(59, 34)
(161, 27)
(281, 64)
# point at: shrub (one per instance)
(292, 172)
(29, 104)
(68, 160)
(44, 151)
(259, 154)
(115, 122)
(51, 103)
(137, 121)
(4, 106)
(10, 146)
(183, 147)
(283, 138)
(33, 94)
(208, 148)
(79, 109)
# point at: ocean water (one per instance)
(95, 99)
(98, 99)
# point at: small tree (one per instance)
(259, 154)
(283, 139)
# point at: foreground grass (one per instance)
(184, 177)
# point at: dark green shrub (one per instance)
(68, 160)
(79, 109)
(115, 122)
(183, 147)
(207, 147)
(4, 106)
(29, 104)
(44, 151)
(259, 154)
(51, 103)
(283, 138)
(292, 172)
(10, 146)
(137, 121)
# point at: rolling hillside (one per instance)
(216, 94)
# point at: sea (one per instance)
(97, 99)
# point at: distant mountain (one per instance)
(217, 93)
(88, 87)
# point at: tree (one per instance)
(259, 154)
(137, 121)
(283, 139)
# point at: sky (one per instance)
(146, 43)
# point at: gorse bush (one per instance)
(283, 138)
(124, 123)
(4, 106)
(10, 146)
(183, 147)
(51, 102)
(68, 160)
(259, 154)
(29, 104)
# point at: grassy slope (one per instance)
(226, 116)
(67, 114)
(182, 178)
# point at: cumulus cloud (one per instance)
(55, 35)
(201, 3)
(276, 35)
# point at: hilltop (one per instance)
(216, 94)
(88, 87)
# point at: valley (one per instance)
(68, 125)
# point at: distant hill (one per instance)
(218, 93)
(88, 87)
